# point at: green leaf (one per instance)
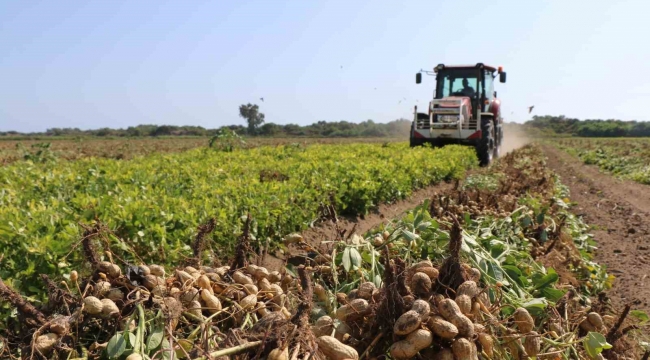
(291, 270)
(377, 281)
(424, 254)
(418, 219)
(640, 315)
(155, 339)
(132, 340)
(535, 306)
(540, 218)
(543, 236)
(348, 287)
(166, 346)
(465, 248)
(512, 270)
(409, 236)
(552, 294)
(514, 273)
(116, 346)
(497, 248)
(355, 258)
(495, 271)
(541, 281)
(423, 226)
(367, 257)
(469, 240)
(347, 261)
(185, 345)
(595, 343)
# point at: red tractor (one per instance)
(464, 110)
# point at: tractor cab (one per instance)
(473, 82)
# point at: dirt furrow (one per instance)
(619, 212)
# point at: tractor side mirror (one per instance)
(502, 77)
(418, 78)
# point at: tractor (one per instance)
(464, 110)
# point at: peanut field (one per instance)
(164, 256)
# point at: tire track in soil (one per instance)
(619, 212)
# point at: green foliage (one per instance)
(482, 181)
(626, 158)
(38, 153)
(154, 204)
(147, 339)
(226, 140)
(595, 343)
(563, 126)
(117, 345)
(322, 129)
(640, 315)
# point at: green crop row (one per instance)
(153, 205)
(623, 157)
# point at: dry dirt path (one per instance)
(619, 211)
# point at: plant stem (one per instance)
(233, 350)
(139, 334)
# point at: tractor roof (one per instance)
(487, 67)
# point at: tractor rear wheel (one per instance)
(486, 146)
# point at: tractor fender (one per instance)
(495, 110)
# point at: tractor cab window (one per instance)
(457, 82)
(489, 85)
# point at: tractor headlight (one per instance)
(448, 118)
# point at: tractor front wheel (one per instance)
(487, 145)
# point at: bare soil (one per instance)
(619, 212)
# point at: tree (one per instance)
(252, 115)
(270, 129)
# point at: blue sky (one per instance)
(92, 64)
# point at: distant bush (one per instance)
(324, 129)
(562, 125)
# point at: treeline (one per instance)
(369, 128)
(564, 126)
